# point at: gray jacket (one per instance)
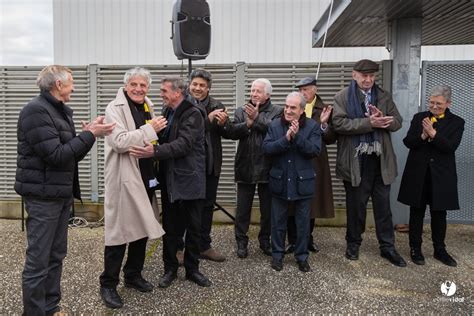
(347, 165)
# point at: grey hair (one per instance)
(137, 72)
(176, 84)
(266, 83)
(299, 95)
(50, 74)
(201, 73)
(442, 90)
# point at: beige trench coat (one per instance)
(128, 214)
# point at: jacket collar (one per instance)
(265, 107)
(59, 105)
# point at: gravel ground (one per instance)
(249, 286)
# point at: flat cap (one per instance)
(366, 66)
(306, 82)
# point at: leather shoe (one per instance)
(277, 264)
(242, 251)
(266, 249)
(304, 266)
(290, 248)
(139, 284)
(443, 256)
(212, 255)
(198, 278)
(110, 297)
(352, 252)
(417, 256)
(393, 257)
(167, 279)
(313, 247)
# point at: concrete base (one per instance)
(95, 211)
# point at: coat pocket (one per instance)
(276, 181)
(305, 182)
(186, 181)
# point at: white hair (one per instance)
(137, 72)
(266, 83)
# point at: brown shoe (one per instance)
(180, 257)
(213, 255)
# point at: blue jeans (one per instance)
(279, 217)
(46, 230)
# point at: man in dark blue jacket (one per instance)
(292, 142)
(47, 178)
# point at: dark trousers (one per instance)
(438, 227)
(178, 217)
(46, 230)
(207, 213)
(279, 217)
(372, 186)
(291, 230)
(245, 194)
(113, 257)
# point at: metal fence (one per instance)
(460, 76)
(96, 85)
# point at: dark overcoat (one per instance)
(182, 154)
(322, 205)
(435, 156)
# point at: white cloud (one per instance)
(26, 32)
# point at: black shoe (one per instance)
(417, 256)
(443, 256)
(266, 249)
(242, 251)
(313, 247)
(393, 257)
(167, 279)
(139, 284)
(352, 252)
(110, 297)
(277, 264)
(304, 266)
(198, 278)
(290, 248)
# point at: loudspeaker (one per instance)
(191, 29)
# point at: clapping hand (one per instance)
(98, 127)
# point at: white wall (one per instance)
(255, 31)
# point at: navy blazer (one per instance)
(292, 173)
(437, 157)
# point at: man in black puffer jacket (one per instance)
(47, 179)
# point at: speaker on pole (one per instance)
(191, 29)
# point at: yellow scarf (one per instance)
(309, 108)
(147, 110)
(435, 119)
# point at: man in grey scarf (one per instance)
(364, 115)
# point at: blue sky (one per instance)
(26, 32)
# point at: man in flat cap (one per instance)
(322, 205)
(364, 115)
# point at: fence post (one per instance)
(94, 151)
(239, 84)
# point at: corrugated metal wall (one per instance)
(123, 32)
(96, 85)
